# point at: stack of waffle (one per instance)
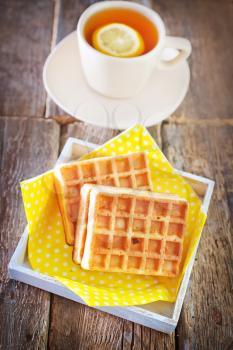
(120, 229)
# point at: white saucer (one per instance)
(66, 85)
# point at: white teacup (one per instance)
(124, 77)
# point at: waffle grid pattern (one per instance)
(138, 235)
(122, 171)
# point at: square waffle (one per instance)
(129, 170)
(134, 232)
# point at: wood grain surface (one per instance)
(209, 27)
(24, 310)
(66, 19)
(207, 316)
(25, 37)
(197, 138)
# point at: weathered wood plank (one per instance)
(25, 35)
(27, 148)
(207, 316)
(137, 337)
(209, 26)
(67, 19)
(86, 132)
(86, 328)
(75, 326)
(96, 134)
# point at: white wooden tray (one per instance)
(162, 316)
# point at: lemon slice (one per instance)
(117, 39)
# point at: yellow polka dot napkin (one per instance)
(49, 254)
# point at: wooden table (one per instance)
(198, 138)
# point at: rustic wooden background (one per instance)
(197, 138)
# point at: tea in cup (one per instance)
(121, 43)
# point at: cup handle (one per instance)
(184, 50)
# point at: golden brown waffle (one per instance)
(81, 230)
(134, 232)
(121, 171)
